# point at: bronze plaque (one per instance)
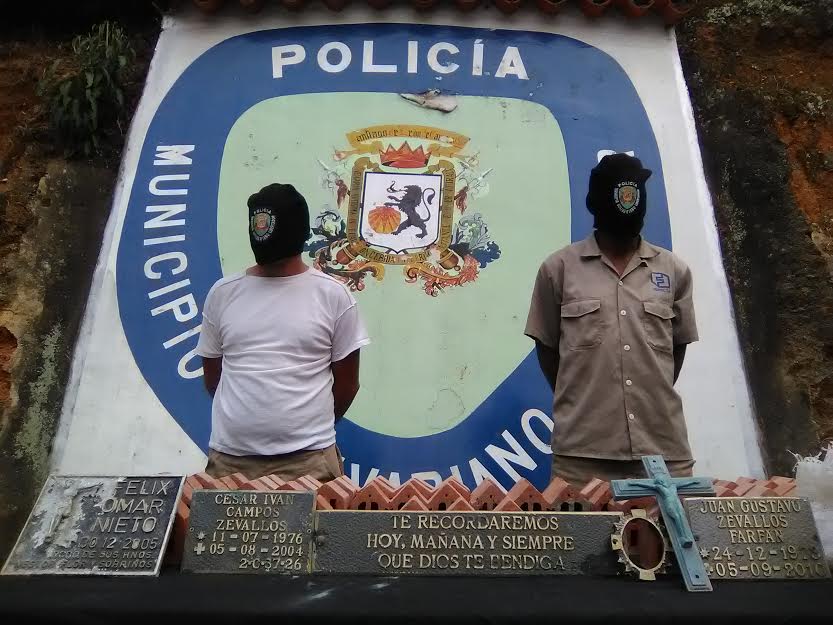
(246, 531)
(97, 526)
(465, 543)
(757, 538)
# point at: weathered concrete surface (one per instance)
(44, 281)
(761, 79)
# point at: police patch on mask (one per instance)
(626, 197)
(262, 224)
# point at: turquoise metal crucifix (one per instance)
(667, 490)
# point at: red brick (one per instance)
(443, 496)
(292, 485)
(527, 497)
(238, 479)
(786, 489)
(458, 486)
(187, 494)
(591, 488)
(321, 503)
(404, 494)
(267, 482)
(744, 485)
(372, 497)
(784, 486)
(577, 505)
(726, 484)
(226, 483)
(335, 494)
(626, 505)
(507, 505)
(347, 483)
(309, 482)
(556, 492)
(205, 480)
(423, 487)
(386, 485)
(486, 496)
(183, 513)
(254, 485)
(600, 497)
(176, 545)
(723, 491)
(562, 496)
(461, 505)
(761, 489)
(277, 481)
(415, 504)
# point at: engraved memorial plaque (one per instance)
(465, 543)
(757, 538)
(247, 531)
(97, 526)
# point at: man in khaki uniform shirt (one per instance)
(611, 316)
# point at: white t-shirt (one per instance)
(277, 338)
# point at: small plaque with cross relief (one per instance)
(249, 532)
(97, 525)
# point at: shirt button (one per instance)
(621, 283)
(631, 417)
(627, 348)
(623, 312)
(629, 382)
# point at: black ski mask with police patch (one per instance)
(616, 196)
(278, 223)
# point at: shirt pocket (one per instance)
(658, 326)
(581, 323)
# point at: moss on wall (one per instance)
(760, 74)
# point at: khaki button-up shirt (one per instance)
(614, 392)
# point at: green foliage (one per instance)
(85, 96)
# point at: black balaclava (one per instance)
(278, 223)
(616, 195)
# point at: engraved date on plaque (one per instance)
(249, 532)
(757, 538)
(465, 543)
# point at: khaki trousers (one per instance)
(578, 471)
(322, 464)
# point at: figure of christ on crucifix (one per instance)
(667, 495)
(667, 490)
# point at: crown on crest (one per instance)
(404, 157)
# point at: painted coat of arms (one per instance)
(407, 183)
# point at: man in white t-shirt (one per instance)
(280, 346)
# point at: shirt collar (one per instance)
(589, 248)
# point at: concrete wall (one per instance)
(450, 385)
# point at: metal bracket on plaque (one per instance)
(619, 542)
